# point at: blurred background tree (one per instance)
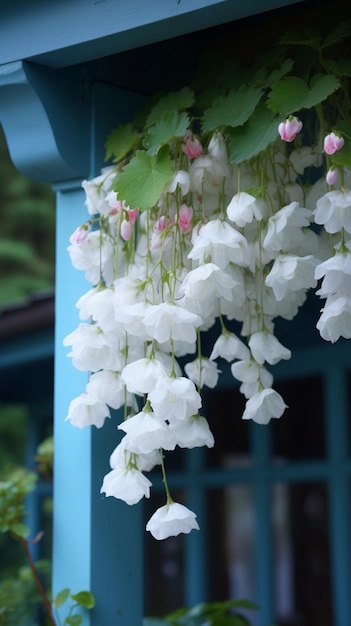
(27, 232)
(27, 265)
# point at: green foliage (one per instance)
(152, 173)
(27, 233)
(45, 457)
(15, 485)
(292, 94)
(83, 599)
(19, 596)
(120, 142)
(233, 109)
(244, 100)
(226, 613)
(176, 101)
(171, 124)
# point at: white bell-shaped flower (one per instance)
(263, 406)
(85, 410)
(174, 398)
(266, 347)
(172, 520)
(128, 484)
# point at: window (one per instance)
(272, 503)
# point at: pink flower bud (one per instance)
(162, 224)
(132, 214)
(126, 230)
(289, 128)
(79, 235)
(191, 146)
(332, 143)
(185, 216)
(332, 176)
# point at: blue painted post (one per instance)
(97, 542)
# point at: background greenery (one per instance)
(27, 264)
(27, 232)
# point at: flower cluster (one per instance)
(205, 220)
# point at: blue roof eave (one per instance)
(67, 32)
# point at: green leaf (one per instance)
(322, 86)
(144, 179)
(61, 597)
(73, 620)
(84, 598)
(19, 529)
(292, 93)
(255, 136)
(172, 124)
(344, 127)
(279, 73)
(233, 109)
(339, 33)
(120, 142)
(178, 100)
(301, 38)
(339, 67)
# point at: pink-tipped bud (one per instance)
(126, 230)
(289, 128)
(185, 216)
(132, 214)
(332, 176)
(192, 146)
(332, 143)
(79, 235)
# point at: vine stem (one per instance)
(37, 580)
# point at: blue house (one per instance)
(273, 502)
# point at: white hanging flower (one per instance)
(171, 520)
(334, 211)
(291, 273)
(141, 376)
(285, 228)
(337, 275)
(86, 411)
(252, 375)
(219, 243)
(96, 191)
(192, 432)
(263, 406)
(126, 484)
(202, 372)
(92, 349)
(266, 347)
(168, 321)
(206, 282)
(335, 321)
(229, 347)
(108, 386)
(146, 433)
(243, 208)
(174, 399)
(95, 256)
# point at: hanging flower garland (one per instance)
(225, 208)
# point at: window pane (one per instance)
(300, 433)
(164, 571)
(231, 543)
(223, 409)
(301, 555)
